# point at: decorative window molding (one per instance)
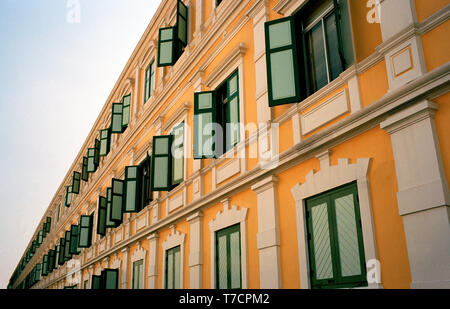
(139, 254)
(224, 219)
(174, 239)
(288, 7)
(330, 177)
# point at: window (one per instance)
(172, 271)
(116, 118)
(93, 157)
(105, 142)
(161, 163)
(335, 244)
(220, 107)
(67, 243)
(51, 261)
(228, 258)
(68, 200)
(178, 154)
(173, 40)
(45, 265)
(59, 211)
(145, 183)
(110, 279)
(85, 284)
(102, 215)
(307, 51)
(138, 272)
(76, 178)
(96, 282)
(149, 86)
(109, 222)
(85, 231)
(48, 224)
(40, 238)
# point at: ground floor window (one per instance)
(228, 258)
(172, 272)
(138, 272)
(335, 242)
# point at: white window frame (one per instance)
(174, 239)
(139, 254)
(226, 218)
(328, 178)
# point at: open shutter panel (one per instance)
(76, 178)
(132, 189)
(49, 224)
(62, 246)
(101, 216)
(96, 282)
(161, 163)
(84, 172)
(116, 118)
(85, 232)
(178, 154)
(233, 136)
(67, 255)
(182, 22)
(91, 160)
(51, 259)
(166, 46)
(109, 222)
(68, 200)
(33, 246)
(282, 64)
(97, 153)
(74, 230)
(44, 230)
(40, 238)
(45, 265)
(104, 142)
(204, 121)
(110, 279)
(126, 102)
(117, 200)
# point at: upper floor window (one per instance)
(216, 119)
(307, 51)
(149, 81)
(335, 243)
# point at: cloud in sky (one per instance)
(55, 76)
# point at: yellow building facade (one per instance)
(334, 174)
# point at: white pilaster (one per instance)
(152, 262)
(423, 193)
(268, 237)
(124, 275)
(196, 249)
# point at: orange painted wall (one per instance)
(426, 8)
(436, 46)
(373, 84)
(442, 121)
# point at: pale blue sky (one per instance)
(55, 77)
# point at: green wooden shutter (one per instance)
(146, 187)
(178, 154)
(182, 23)
(104, 142)
(109, 223)
(161, 163)
(68, 199)
(166, 46)
(49, 224)
(85, 232)
(282, 61)
(204, 119)
(51, 259)
(45, 266)
(84, 172)
(91, 160)
(62, 246)
(33, 246)
(110, 279)
(76, 179)
(74, 234)
(132, 189)
(97, 153)
(116, 118)
(101, 215)
(117, 200)
(40, 238)
(96, 282)
(67, 254)
(147, 83)
(232, 130)
(126, 106)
